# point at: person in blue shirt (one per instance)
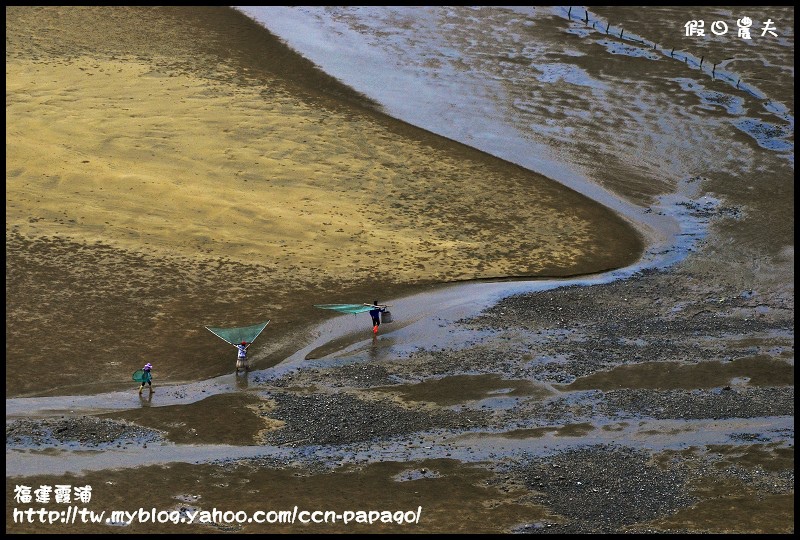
(375, 313)
(148, 377)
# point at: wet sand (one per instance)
(669, 401)
(643, 426)
(172, 168)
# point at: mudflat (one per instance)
(171, 168)
(174, 167)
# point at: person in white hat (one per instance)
(148, 377)
(241, 358)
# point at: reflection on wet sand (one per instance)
(647, 387)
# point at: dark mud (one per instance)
(699, 440)
(662, 403)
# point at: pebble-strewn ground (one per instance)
(569, 364)
(661, 403)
